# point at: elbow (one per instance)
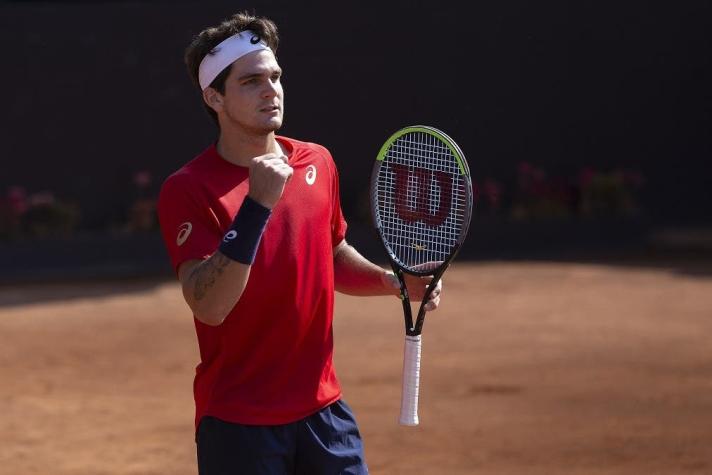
(203, 309)
(212, 315)
(213, 319)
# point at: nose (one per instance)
(271, 89)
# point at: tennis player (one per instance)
(255, 233)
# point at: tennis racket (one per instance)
(421, 202)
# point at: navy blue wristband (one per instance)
(241, 241)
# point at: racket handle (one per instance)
(411, 381)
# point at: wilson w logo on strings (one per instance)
(415, 194)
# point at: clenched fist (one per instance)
(268, 175)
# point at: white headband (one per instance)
(226, 53)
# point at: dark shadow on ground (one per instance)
(74, 289)
(685, 250)
(82, 267)
(95, 266)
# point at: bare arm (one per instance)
(212, 287)
(356, 275)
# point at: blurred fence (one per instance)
(583, 123)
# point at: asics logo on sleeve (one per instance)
(183, 232)
(311, 175)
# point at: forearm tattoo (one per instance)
(207, 273)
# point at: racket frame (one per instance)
(415, 328)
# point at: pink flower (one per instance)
(586, 175)
(17, 199)
(492, 191)
(142, 179)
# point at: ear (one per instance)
(213, 99)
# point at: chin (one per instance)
(274, 125)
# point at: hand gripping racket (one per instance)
(421, 202)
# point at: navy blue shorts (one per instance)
(325, 443)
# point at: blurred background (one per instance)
(573, 337)
(586, 124)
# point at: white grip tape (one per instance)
(411, 381)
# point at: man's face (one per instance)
(253, 99)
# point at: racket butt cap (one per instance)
(408, 422)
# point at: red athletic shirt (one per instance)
(270, 361)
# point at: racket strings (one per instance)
(422, 199)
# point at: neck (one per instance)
(239, 148)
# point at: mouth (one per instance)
(270, 109)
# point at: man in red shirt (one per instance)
(255, 233)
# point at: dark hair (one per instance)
(210, 37)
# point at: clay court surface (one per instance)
(529, 368)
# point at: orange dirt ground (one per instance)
(528, 368)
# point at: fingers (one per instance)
(432, 304)
(437, 289)
(428, 266)
(268, 175)
(417, 287)
(270, 161)
(425, 281)
(434, 299)
(269, 156)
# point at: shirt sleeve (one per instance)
(338, 222)
(189, 228)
